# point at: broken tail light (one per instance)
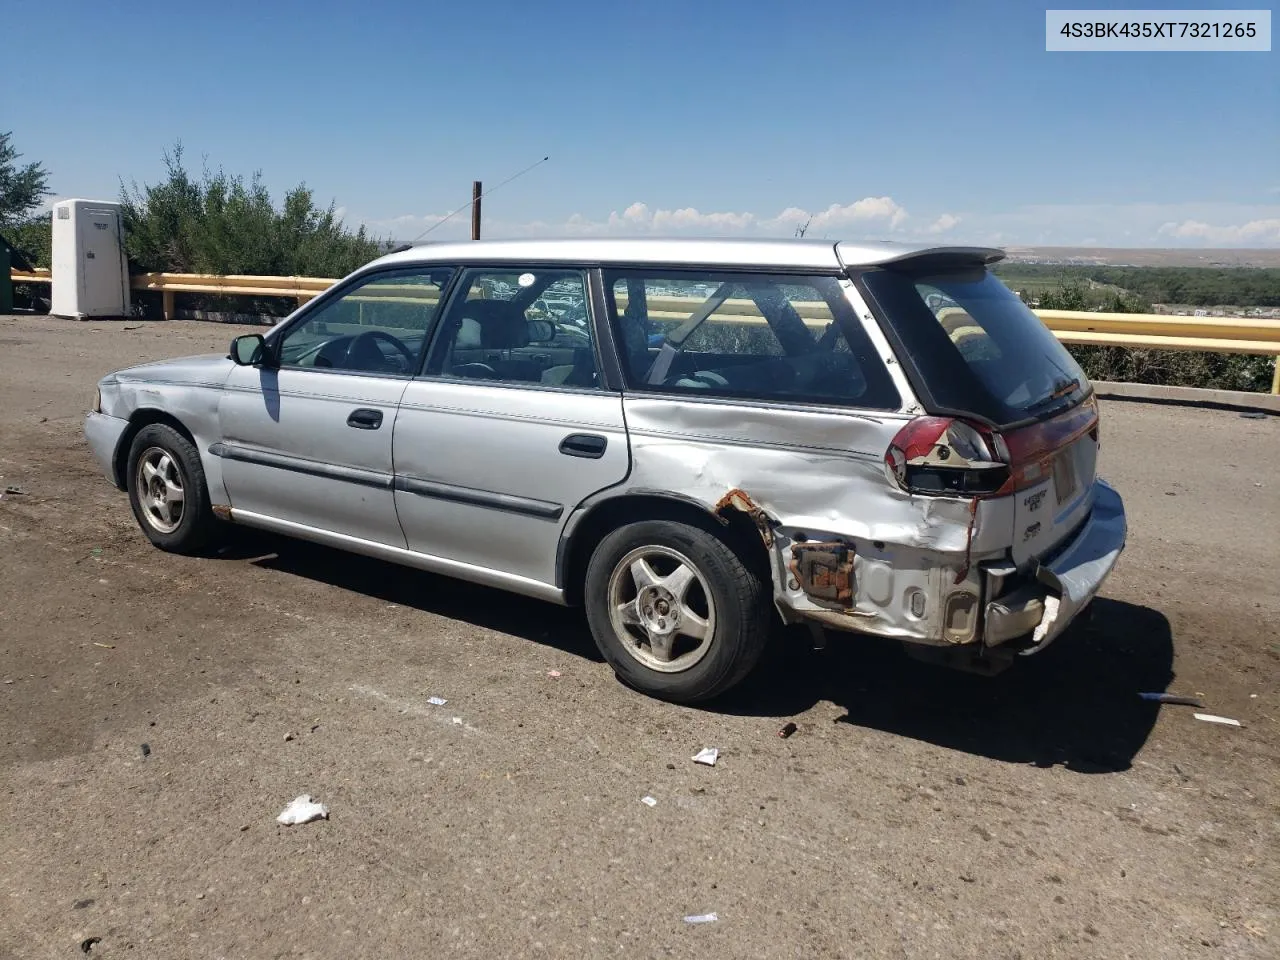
(941, 455)
(946, 456)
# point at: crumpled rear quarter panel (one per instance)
(817, 476)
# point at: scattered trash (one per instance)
(553, 674)
(437, 701)
(458, 721)
(1253, 415)
(787, 730)
(244, 827)
(105, 646)
(1172, 698)
(288, 737)
(146, 749)
(701, 918)
(88, 943)
(1214, 718)
(649, 801)
(303, 810)
(707, 755)
(14, 491)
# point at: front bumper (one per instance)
(1064, 585)
(104, 433)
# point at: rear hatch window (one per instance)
(972, 349)
(975, 348)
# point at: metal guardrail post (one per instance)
(1275, 378)
(166, 301)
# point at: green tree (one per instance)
(224, 224)
(1069, 295)
(22, 187)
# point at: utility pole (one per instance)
(475, 210)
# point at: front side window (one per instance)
(754, 336)
(524, 326)
(377, 326)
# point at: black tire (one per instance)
(194, 527)
(737, 632)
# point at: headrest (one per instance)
(502, 326)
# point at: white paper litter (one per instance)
(303, 810)
(437, 701)
(458, 721)
(701, 918)
(1214, 718)
(649, 801)
(707, 755)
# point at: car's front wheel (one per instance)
(675, 611)
(167, 490)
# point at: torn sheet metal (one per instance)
(740, 500)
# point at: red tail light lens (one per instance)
(939, 455)
(944, 456)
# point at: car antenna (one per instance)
(474, 199)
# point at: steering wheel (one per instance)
(410, 359)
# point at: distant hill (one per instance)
(1151, 257)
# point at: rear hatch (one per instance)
(973, 351)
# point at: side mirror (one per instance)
(541, 331)
(248, 350)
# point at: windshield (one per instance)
(975, 346)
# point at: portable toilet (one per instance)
(90, 270)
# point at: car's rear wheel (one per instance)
(167, 490)
(675, 611)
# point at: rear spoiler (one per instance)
(855, 256)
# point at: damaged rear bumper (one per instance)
(983, 603)
(1036, 613)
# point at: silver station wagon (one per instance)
(689, 438)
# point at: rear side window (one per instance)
(750, 336)
(975, 345)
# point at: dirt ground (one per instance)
(916, 813)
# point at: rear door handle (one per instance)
(587, 445)
(365, 419)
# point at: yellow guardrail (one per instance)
(1147, 331)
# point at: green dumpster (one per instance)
(6, 282)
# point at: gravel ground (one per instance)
(915, 813)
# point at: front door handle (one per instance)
(365, 419)
(587, 445)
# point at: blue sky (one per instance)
(875, 119)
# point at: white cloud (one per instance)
(1245, 234)
(640, 218)
(943, 223)
(1189, 224)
